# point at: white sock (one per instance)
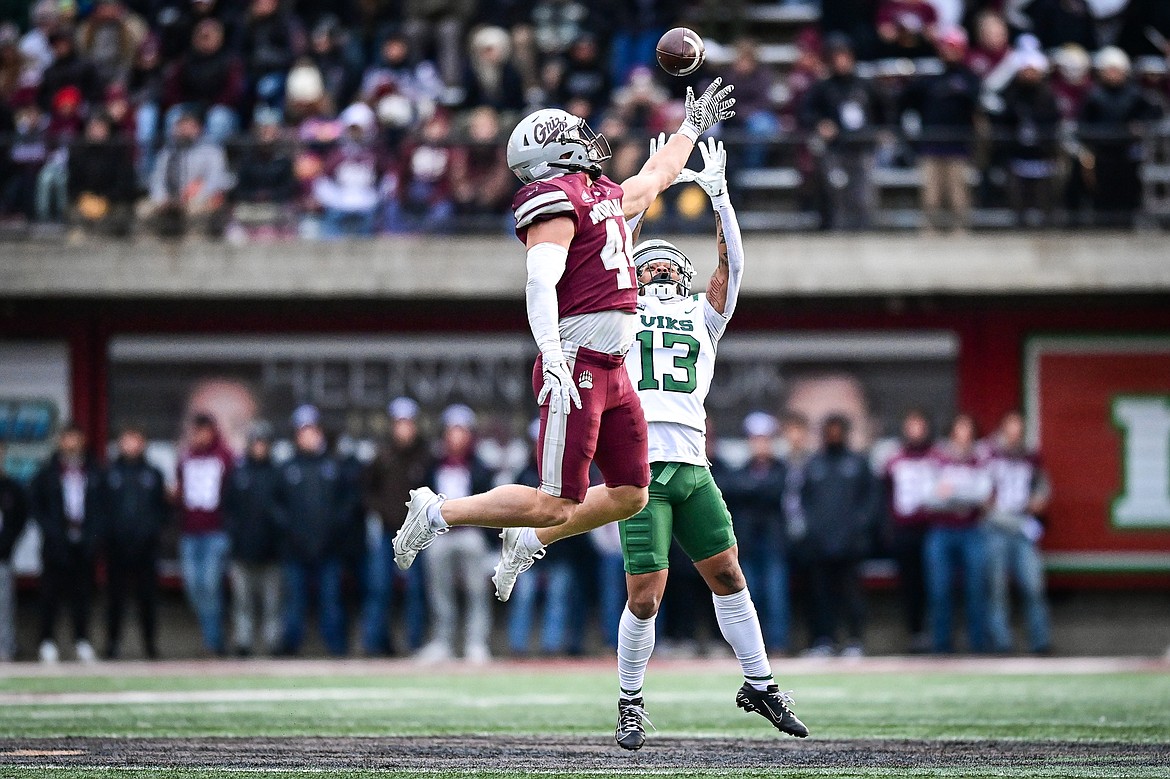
(435, 515)
(530, 540)
(635, 644)
(741, 627)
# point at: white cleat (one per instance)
(515, 559)
(416, 533)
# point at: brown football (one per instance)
(680, 51)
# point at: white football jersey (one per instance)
(671, 365)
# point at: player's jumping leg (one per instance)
(740, 625)
(523, 545)
(635, 645)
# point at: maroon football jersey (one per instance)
(599, 271)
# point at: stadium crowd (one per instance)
(261, 537)
(312, 119)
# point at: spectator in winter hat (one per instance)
(755, 498)
(1112, 110)
(457, 560)
(314, 503)
(402, 462)
(251, 524)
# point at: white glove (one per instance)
(713, 177)
(710, 108)
(558, 387)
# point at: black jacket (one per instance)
(47, 507)
(1109, 112)
(754, 495)
(265, 175)
(849, 101)
(314, 504)
(1030, 119)
(13, 515)
(249, 511)
(946, 103)
(839, 496)
(134, 508)
(75, 71)
(105, 169)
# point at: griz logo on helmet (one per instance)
(548, 131)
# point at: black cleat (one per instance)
(629, 733)
(772, 705)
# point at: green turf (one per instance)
(1116, 707)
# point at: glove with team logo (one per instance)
(558, 389)
(713, 177)
(707, 110)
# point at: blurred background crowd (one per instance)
(275, 118)
(301, 523)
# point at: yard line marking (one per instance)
(42, 753)
(406, 668)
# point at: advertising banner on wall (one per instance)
(1099, 408)
(159, 381)
(34, 402)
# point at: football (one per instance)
(680, 51)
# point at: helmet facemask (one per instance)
(595, 146)
(663, 285)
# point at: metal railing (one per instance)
(782, 182)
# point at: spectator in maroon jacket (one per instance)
(909, 481)
(203, 544)
(208, 78)
(425, 183)
(992, 44)
(1014, 530)
(483, 184)
(350, 182)
(1072, 79)
(955, 539)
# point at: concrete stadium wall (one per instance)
(493, 268)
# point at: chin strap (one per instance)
(593, 170)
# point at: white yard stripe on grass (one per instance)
(394, 668)
(387, 697)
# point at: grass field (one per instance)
(870, 719)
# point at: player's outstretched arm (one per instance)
(663, 167)
(723, 288)
(548, 250)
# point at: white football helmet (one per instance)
(551, 142)
(664, 285)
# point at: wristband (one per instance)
(722, 200)
(690, 131)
